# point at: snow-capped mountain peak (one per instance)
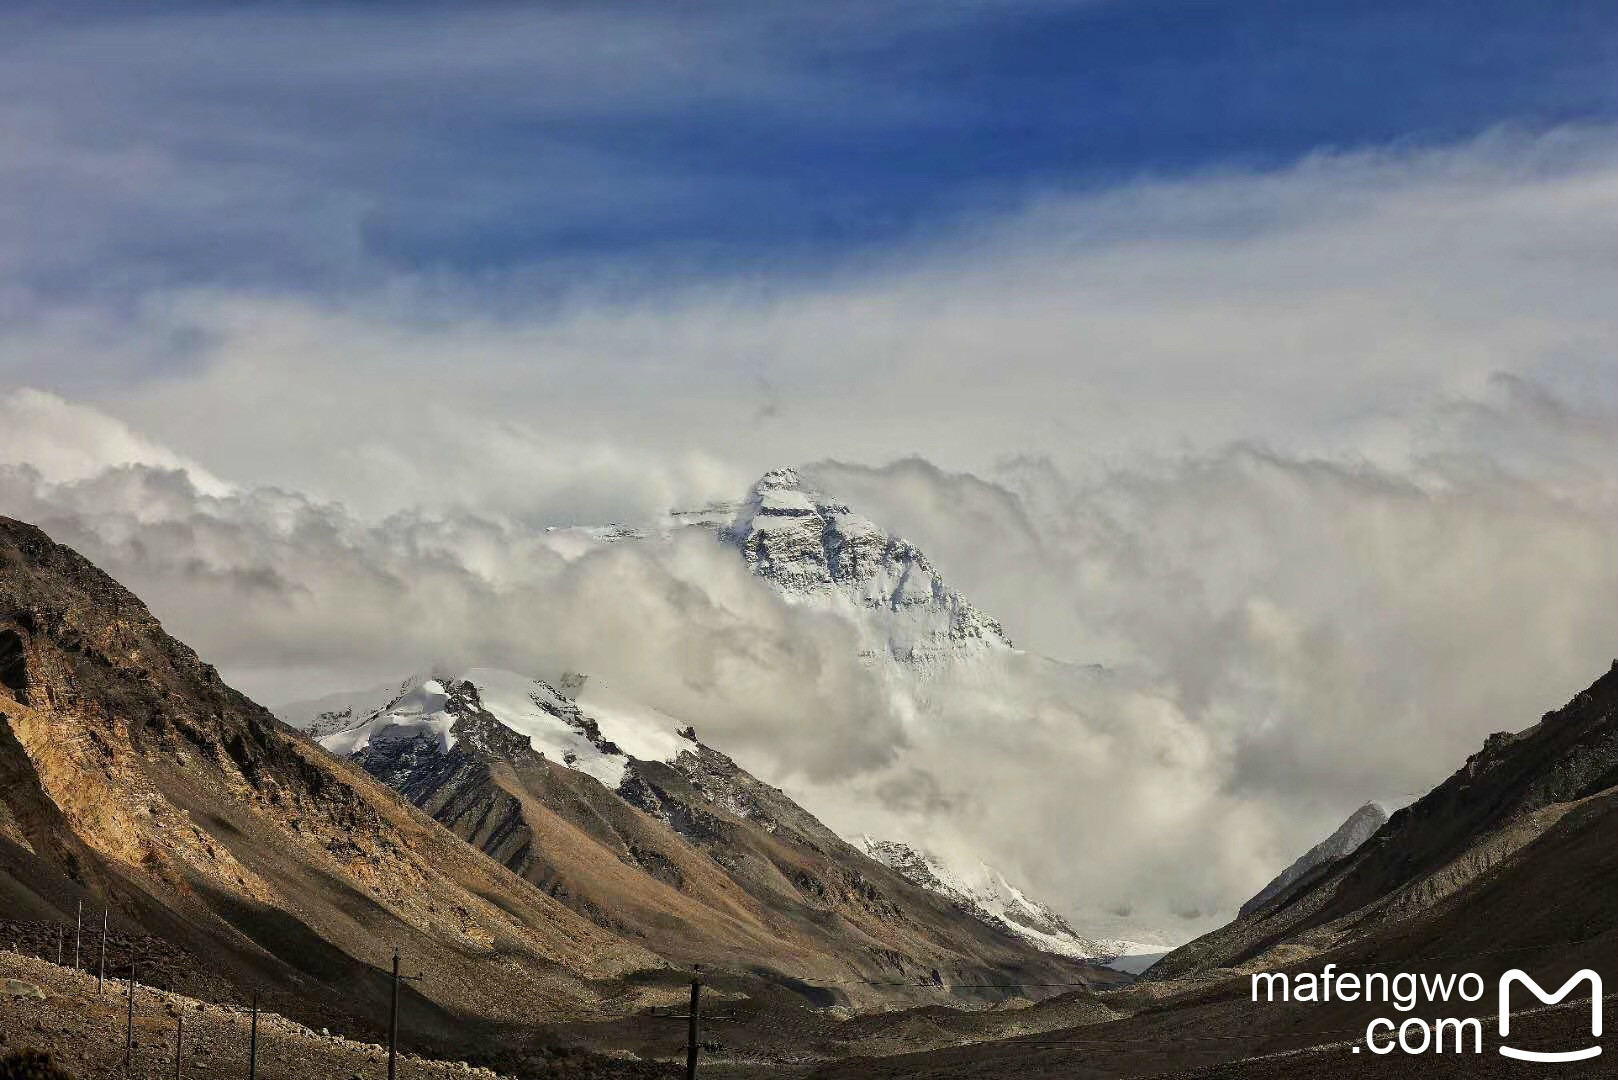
(817, 550)
(583, 725)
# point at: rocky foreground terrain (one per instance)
(633, 822)
(59, 1011)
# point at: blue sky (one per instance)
(316, 146)
(1072, 228)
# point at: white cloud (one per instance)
(1322, 308)
(293, 598)
(1286, 636)
(67, 442)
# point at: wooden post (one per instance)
(129, 1029)
(252, 1045)
(179, 1043)
(393, 1023)
(693, 1029)
(101, 969)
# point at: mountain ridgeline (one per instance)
(1500, 831)
(422, 737)
(1507, 864)
(631, 821)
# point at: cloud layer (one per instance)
(1283, 636)
(1317, 461)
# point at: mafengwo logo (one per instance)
(1515, 977)
(1451, 1035)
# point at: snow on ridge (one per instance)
(580, 723)
(419, 712)
(985, 893)
(1348, 838)
(817, 550)
(552, 723)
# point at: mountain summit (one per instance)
(1346, 839)
(816, 549)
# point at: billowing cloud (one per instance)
(66, 442)
(292, 598)
(1317, 462)
(1323, 308)
(1280, 637)
(1288, 637)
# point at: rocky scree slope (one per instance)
(1508, 864)
(816, 551)
(989, 897)
(1346, 839)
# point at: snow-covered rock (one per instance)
(985, 893)
(322, 716)
(927, 640)
(563, 721)
(426, 711)
(1348, 838)
(817, 550)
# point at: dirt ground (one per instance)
(85, 1033)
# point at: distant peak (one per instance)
(814, 547)
(787, 477)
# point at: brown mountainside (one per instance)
(132, 776)
(1510, 863)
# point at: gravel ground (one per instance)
(85, 1033)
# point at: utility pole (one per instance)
(693, 1028)
(101, 970)
(78, 929)
(393, 1017)
(252, 1045)
(129, 1029)
(58, 946)
(179, 1042)
(393, 1023)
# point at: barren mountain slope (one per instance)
(131, 775)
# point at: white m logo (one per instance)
(1516, 975)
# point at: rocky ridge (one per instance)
(628, 818)
(1517, 789)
